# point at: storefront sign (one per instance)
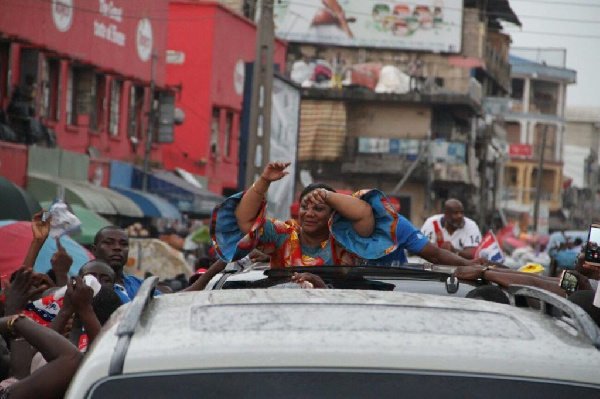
(62, 14)
(520, 150)
(116, 35)
(429, 25)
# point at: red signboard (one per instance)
(118, 35)
(520, 150)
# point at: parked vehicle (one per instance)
(345, 343)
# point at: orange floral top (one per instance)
(281, 239)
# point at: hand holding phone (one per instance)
(592, 247)
(568, 282)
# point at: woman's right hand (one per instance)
(275, 171)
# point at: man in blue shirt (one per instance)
(411, 239)
(111, 244)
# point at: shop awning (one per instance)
(17, 204)
(152, 205)
(98, 199)
(185, 196)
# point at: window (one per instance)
(5, 70)
(50, 109)
(214, 133)
(115, 105)
(98, 119)
(543, 97)
(228, 131)
(513, 132)
(136, 111)
(30, 59)
(79, 95)
(517, 89)
(551, 142)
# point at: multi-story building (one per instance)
(535, 127)
(424, 144)
(581, 167)
(208, 48)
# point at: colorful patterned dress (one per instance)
(281, 239)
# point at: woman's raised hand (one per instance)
(317, 196)
(275, 171)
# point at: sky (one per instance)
(573, 25)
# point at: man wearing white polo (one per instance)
(453, 231)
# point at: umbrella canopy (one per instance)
(15, 238)
(17, 203)
(91, 222)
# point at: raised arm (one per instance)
(354, 209)
(52, 379)
(40, 230)
(249, 206)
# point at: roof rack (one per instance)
(130, 320)
(550, 302)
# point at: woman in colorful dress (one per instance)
(332, 228)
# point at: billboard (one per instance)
(285, 111)
(429, 25)
(283, 140)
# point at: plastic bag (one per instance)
(63, 221)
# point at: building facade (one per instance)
(85, 72)
(208, 47)
(426, 143)
(581, 166)
(535, 126)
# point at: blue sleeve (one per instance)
(383, 240)
(409, 237)
(229, 242)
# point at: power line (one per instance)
(554, 34)
(559, 3)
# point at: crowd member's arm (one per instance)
(203, 280)
(467, 253)
(17, 295)
(52, 379)
(61, 262)
(316, 281)
(354, 209)
(438, 256)
(40, 230)
(248, 208)
(506, 277)
(77, 300)
(20, 291)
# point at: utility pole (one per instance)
(151, 124)
(538, 189)
(262, 87)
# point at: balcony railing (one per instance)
(519, 194)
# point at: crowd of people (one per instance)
(50, 319)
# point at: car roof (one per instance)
(349, 329)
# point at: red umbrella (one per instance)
(15, 238)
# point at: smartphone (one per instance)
(568, 282)
(592, 248)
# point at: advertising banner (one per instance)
(285, 111)
(520, 150)
(429, 25)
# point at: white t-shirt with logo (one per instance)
(465, 237)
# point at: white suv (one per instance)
(294, 343)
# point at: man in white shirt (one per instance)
(453, 231)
